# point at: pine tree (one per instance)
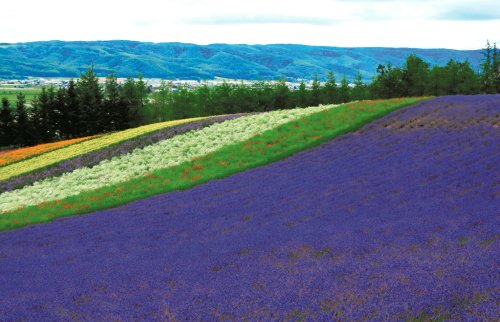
(90, 99)
(359, 91)
(6, 124)
(73, 112)
(129, 115)
(61, 112)
(496, 68)
(488, 78)
(112, 103)
(303, 95)
(35, 121)
(330, 89)
(344, 90)
(315, 98)
(22, 128)
(44, 106)
(281, 95)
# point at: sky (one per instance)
(455, 24)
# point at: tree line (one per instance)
(81, 108)
(85, 107)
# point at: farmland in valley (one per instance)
(11, 94)
(373, 210)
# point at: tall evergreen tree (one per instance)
(73, 112)
(131, 104)
(22, 126)
(496, 68)
(303, 95)
(6, 124)
(344, 90)
(281, 95)
(90, 98)
(35, 121)
(315, 97)
(112, 104)
(330, 89)
(43, 109)
(62, 114)
(359, 92)
(488, 75)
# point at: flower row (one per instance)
(75, 150)
(24, 153)
(94, 157)
(140, 162)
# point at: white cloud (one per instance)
(412, 23)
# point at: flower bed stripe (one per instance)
(9, 157)
(270, 146)
(75, 150)
(164, 154)
(92, 158)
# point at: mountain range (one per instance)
(191, 61)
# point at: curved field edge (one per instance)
(141, 162)
(22, 154)
(94, 157)
(270, 146)
(54, 157)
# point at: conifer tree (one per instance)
(90, 99)
(6, 124)
(303, 95)
(344, 90)
(73, 111)
(488, 75)
(22, 128)
(330, 89)
(496, 68)
(131, 105)
(112, 103)
(359, 91)
(315, 92)
(43, 109)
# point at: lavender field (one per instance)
(396, 222)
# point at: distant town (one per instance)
(152, 83)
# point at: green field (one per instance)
(11, 94)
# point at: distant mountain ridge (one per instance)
(190, 61)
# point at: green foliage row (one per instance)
(414, 78)
(262, 149)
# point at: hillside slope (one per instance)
(189, 61)
(396, 221)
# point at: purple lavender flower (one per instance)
(394, 222)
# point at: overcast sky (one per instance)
(457, 24)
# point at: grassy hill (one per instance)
(395, 220)
(189, 61)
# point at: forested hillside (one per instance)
(189, 61)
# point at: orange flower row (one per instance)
(24, 153)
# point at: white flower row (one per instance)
(160, 155)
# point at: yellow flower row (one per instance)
(75, 150)
(24, 153)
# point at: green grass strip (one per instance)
(270, 146)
